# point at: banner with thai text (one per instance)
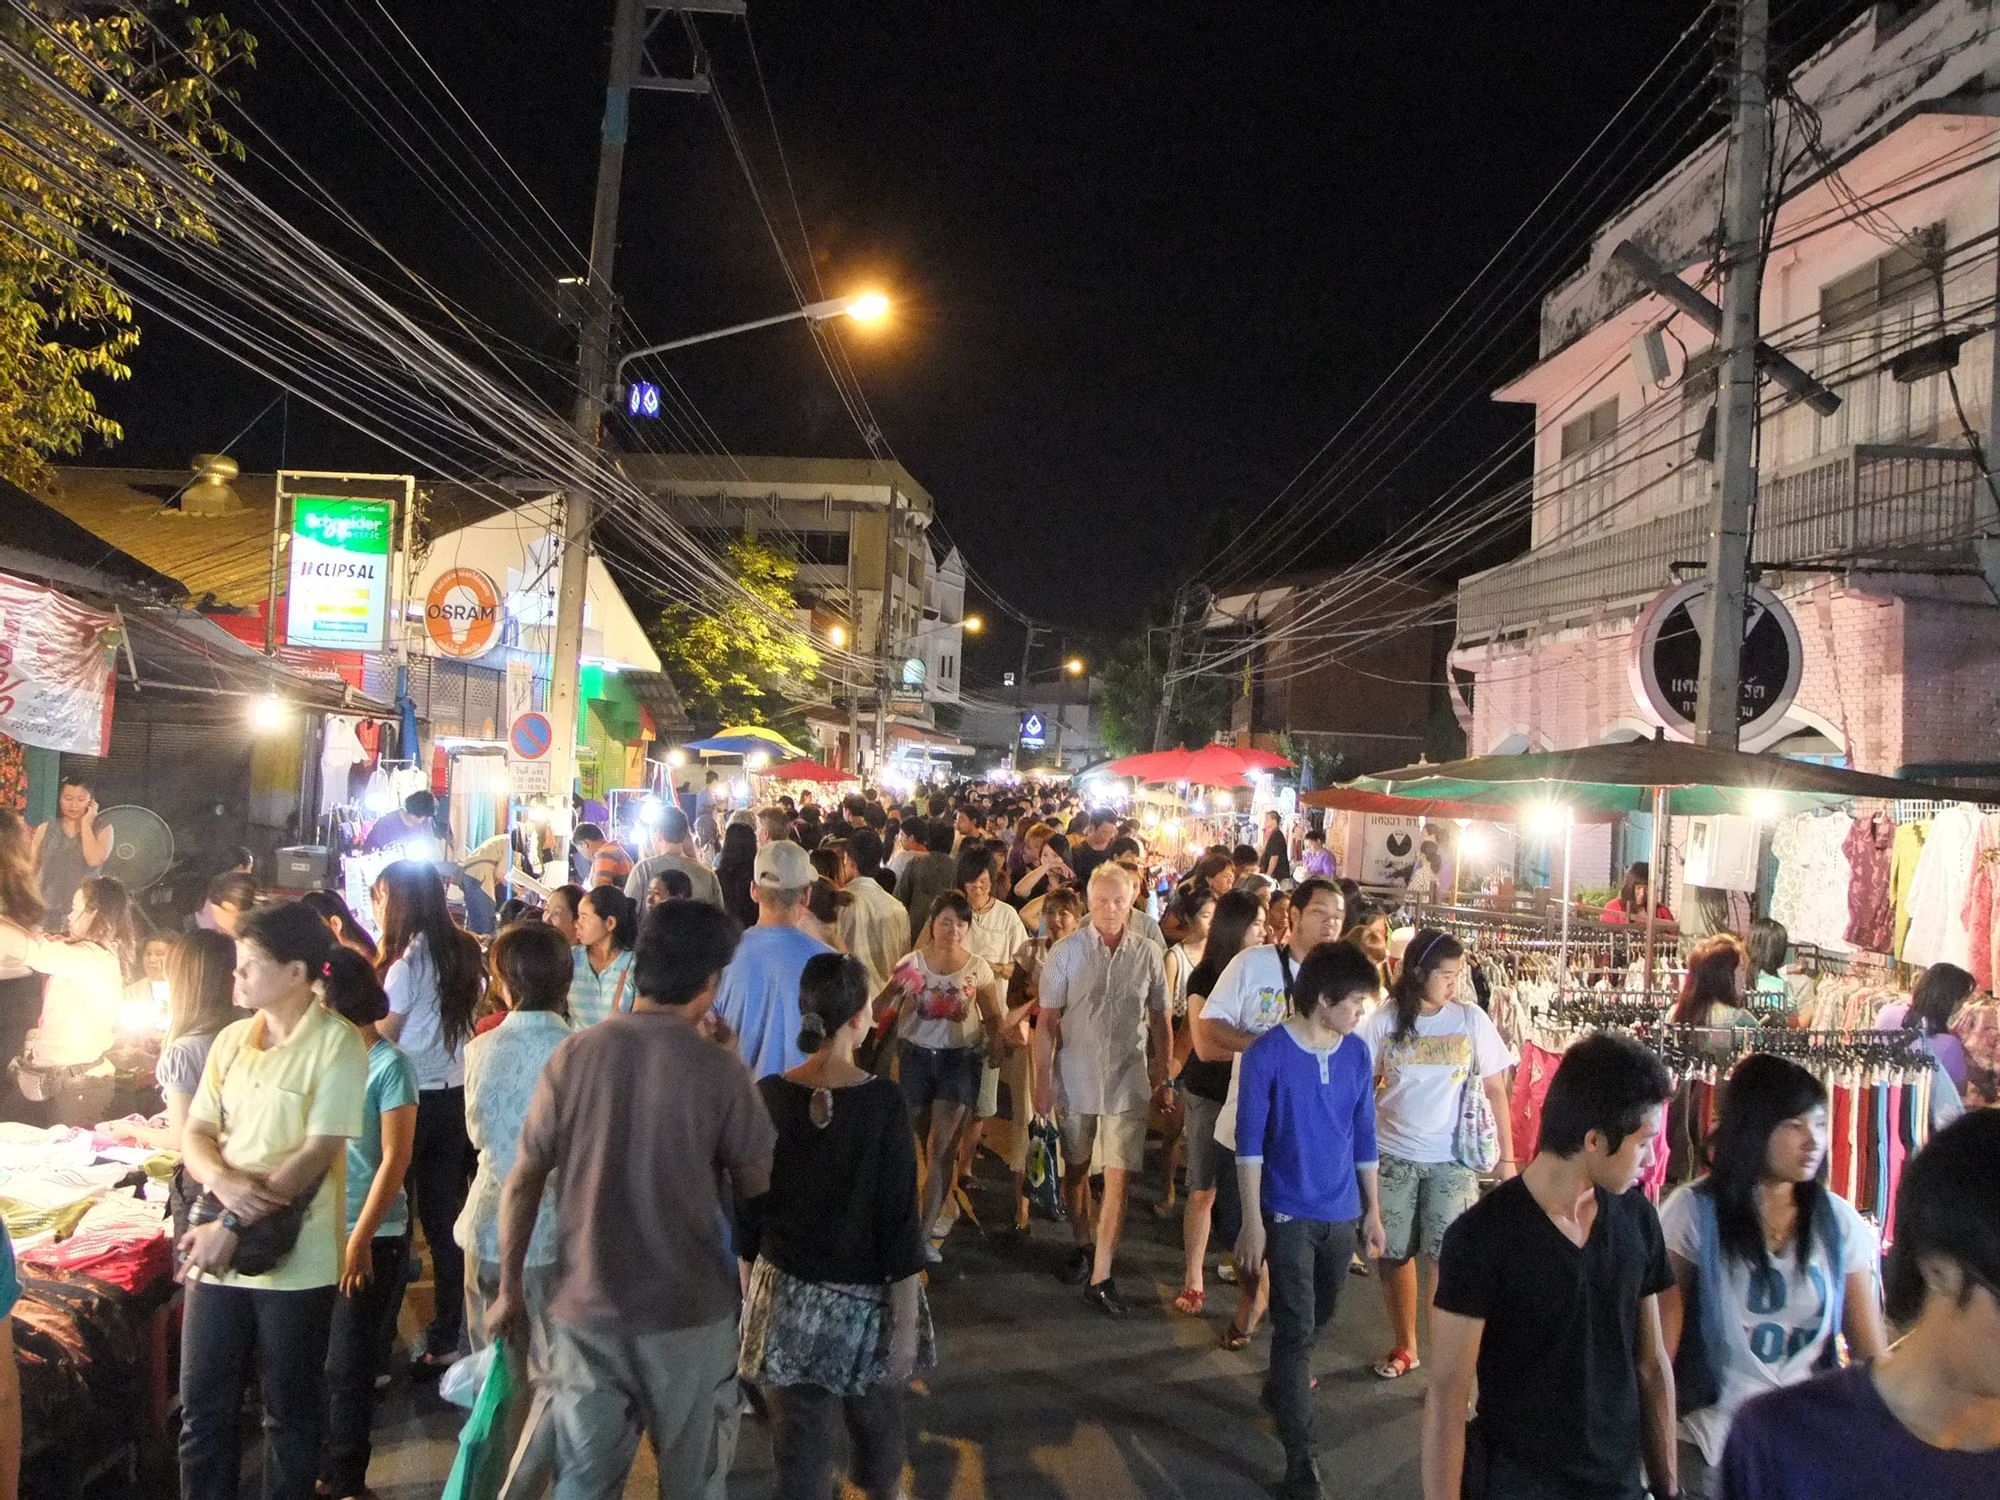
(56, 678)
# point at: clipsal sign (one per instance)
(462, 613)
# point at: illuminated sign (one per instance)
(462, 613)
(642, 399)
(1034, 731)
(338, 580)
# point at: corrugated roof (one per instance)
(223, 560)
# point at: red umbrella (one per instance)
(807, 770)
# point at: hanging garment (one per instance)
(1810, 893)
(1871, 922)
(1937, 892)
(1903, 858)
(1531, 1087)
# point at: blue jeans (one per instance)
(229, 1333)
(1308, 1259)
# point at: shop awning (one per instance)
(176, 650)
(1353, 799)
(1622, 778)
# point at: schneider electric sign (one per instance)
(339, 596)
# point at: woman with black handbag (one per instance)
(281, 1096)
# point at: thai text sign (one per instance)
(55, 673)
(339, 578)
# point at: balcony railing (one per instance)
(1879, 505)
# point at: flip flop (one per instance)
(1191, 1301)
(1235, 1338)
(1398, 1364)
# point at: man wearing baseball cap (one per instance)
(759, 994)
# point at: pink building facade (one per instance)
(1873, 522)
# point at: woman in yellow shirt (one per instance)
(280, 1097)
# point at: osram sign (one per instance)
(462, 614)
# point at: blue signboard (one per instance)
(642, 399)
(1034, 731)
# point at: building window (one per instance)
(1910, 269)
(1581, 434)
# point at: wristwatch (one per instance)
(230, 1222)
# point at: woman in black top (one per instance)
(1238, 923)
(835, 1322)
(733, 871)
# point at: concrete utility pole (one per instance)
(629, 27)
(593, 364)
(1165, 714)
(1021, 690)
(1717, 717)
(884, 655)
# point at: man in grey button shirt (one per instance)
(673, 849)
(1103, 993)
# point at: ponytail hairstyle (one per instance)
(612, 905)
(1428, 951)
(351, 989)
(291, 933)
(348, 933)
(833, 989)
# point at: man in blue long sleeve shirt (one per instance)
(1305, 1161)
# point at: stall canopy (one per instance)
(1211, 765)
(746, 739)
(1622, 778)
(807, 770)
(1353, 799)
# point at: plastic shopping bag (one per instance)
(463, 1378)
(1044, 1179)
(484, 1451)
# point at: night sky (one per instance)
(1146, 257)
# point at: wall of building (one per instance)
(1893, 679)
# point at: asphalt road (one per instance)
(1037, 1397)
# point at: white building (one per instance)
(1868, 520)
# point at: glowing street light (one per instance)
(869, 307)
(1074, 666)
(837, 635)
(972, 624)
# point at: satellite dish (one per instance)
(142, 846)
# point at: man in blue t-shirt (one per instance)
(758, 998)
(1305, 1161)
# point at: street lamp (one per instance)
(972, 624)
(1074, 666)
(837, 635)
(869, 307)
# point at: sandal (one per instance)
(1399, 1363)
(1235, 1338)
(1191, 1301)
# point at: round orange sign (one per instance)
(462, 613)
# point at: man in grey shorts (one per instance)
(1103, 989)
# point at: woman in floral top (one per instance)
(945, 997)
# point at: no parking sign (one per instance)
(529, 739)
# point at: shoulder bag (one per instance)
(1475, 1138)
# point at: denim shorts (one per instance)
(949, 1074)
(1420, 1199)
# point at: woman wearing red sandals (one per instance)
(1428, 1047)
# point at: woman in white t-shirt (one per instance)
(948, 1019)
(431, 970)
(1768, 1265)
(1427, 1046)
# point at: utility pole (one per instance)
(593, 364)
(1182, 598)
(1021, 689)
(883, 652)
(1717, 717)
(629, 26)
(1062, 699)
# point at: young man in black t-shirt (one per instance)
(1548, 1290)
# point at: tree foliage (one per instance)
(1134, 683)
(736, 662)
(66, 182)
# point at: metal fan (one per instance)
(142, 846)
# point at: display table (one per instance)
(93, 1330)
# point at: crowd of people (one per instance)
(709, 1115)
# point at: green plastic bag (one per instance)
(484, 1451)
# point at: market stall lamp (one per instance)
(1472, 845)
(1547, 818)
(268, 714)
(1766, 805)
(756, 760)
(677, 758)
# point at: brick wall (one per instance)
(1894, 678)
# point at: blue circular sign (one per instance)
(531, 736)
